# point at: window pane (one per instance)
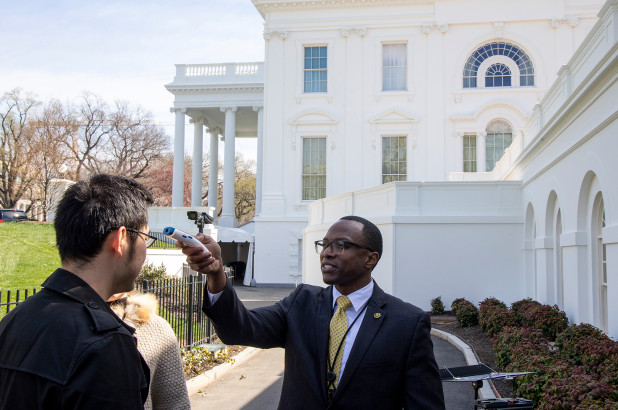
(499, 137)
(519, 57)
(469, 154)
(315, 69)
(314, 168)
(394, 67)
(394, 159)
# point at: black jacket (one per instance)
(391, 364)
(64, 348)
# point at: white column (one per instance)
(178, 176)
(229, 165)
(213, 171)
(196, 175)
(260, 148)
(481, 162)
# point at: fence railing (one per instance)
(180, 303)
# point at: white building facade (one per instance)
(401, 111)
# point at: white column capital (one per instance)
(359, 31)
(175, 110)
(215, 130)
(197, 121)
(459, 134)
(481, 134)
(268, 34)
(228, 108)
(428, 27)
(258, 108)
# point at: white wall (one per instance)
(440, 239)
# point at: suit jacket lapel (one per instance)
(374, 317)
(323, 316)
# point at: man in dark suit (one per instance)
(380, 358)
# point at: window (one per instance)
(394, 158)
(314, 168)
(498, 75)
(499, 137)
(524, 64)
(315, 69)
(394, 67)
(469, 153)
(601, 264)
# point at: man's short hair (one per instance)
(370, 232)
(90, 210)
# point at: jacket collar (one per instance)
(70, 285)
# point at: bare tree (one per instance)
(244, 190)
(134, 142)
(52, 127)
(18, 167)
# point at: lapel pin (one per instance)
(376, 315)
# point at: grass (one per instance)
(28, 254)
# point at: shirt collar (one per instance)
(358, 298)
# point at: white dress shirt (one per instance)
(358, 299)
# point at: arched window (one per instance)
(498, 75)
(519, 57)
(600, 254)
(499, 137)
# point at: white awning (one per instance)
(237, 235)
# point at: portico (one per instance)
(227, 99)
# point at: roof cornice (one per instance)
(267, 6)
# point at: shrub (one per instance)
(456, 304)
(578, 391)
(151, 272)
(437, 307)
(493, 316)
(549, 319)
(507, 342)
(519, 307)
(467, 314)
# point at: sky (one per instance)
(123, 50)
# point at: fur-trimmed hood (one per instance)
(136, 309)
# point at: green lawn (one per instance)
(28, 254)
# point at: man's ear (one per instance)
(372, 260)
(116, 241)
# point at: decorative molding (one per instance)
(359, 31)
(565, 21)
(215, 90)
(269, 34)
(183, 110)
(429, 27)
(229, 107)
(258, 108)
(270, 6)
(498, 27)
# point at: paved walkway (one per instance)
(255, 384)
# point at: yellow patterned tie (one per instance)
(338, 328)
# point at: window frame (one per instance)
(302, 166)
(383, 69)
(400, 162)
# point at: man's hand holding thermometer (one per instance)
(203, 255)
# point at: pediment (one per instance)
(314, 118)
(393, 117)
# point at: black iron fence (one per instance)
(180, 303)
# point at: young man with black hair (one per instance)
(64, 348)
(347, 346)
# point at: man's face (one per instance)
(134, 261)
(350, 270)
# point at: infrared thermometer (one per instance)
(182, 237)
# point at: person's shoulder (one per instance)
(406, 308)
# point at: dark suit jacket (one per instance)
(391, 364)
